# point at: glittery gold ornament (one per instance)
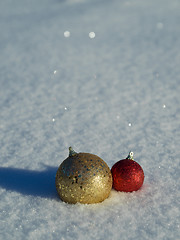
(84, 178)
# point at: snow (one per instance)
(102, 76)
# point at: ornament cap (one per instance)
(130, 155)
(72, 152)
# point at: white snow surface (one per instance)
(104, 77)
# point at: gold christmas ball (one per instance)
(83, 178)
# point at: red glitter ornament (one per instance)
(128, 175)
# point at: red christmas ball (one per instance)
(128, 175)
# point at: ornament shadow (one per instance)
(29, 182)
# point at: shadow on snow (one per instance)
(29, 182)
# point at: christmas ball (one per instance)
(83, 178)
(128, 175)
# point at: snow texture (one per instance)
(104, 77)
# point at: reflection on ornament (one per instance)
(84, 178)
(127, 175)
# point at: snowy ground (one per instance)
(106, 95)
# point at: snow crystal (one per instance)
(92, 35)
(67, 34)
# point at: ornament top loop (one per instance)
(71, 152)
(130, 155)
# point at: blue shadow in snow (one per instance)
(29, 182)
